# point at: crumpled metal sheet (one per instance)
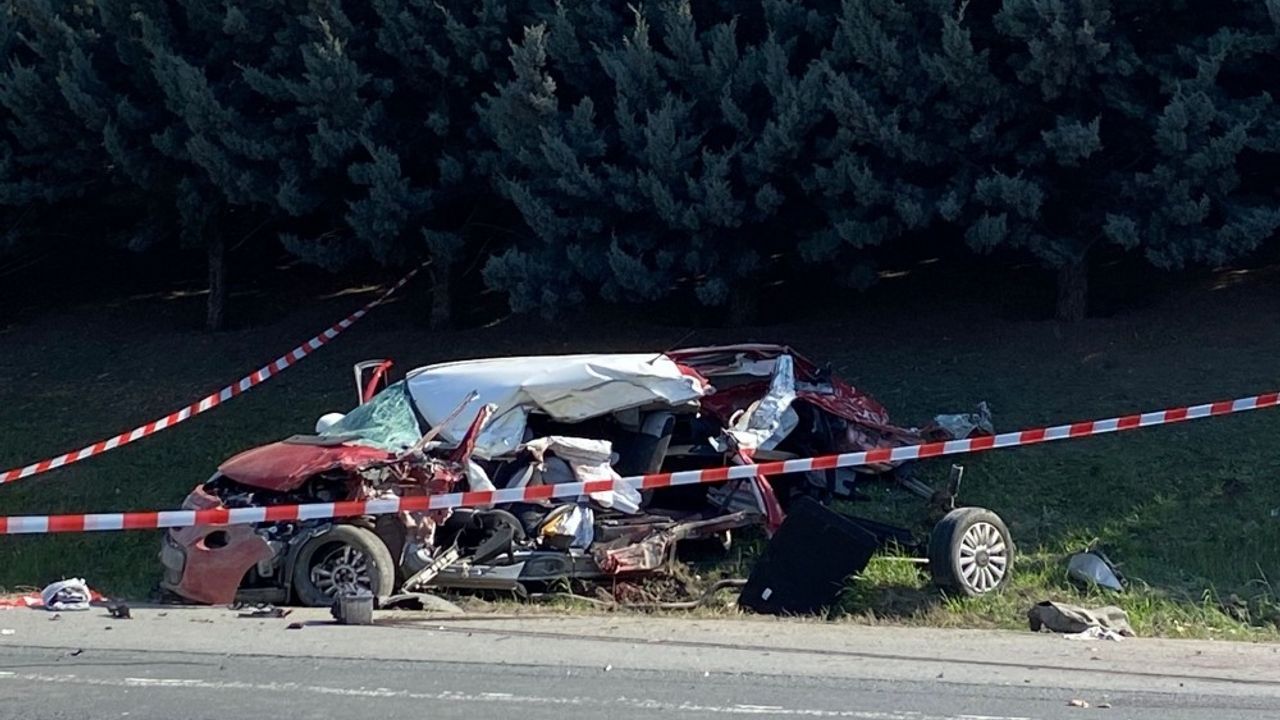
(813, 384)
(769, 420)
(959, 426)
(627, 555)
(285, 466)
(567, 388)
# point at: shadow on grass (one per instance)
(895, 591)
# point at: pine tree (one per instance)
(913, 102)
(151, 92)
(1193, 203)
(209, 134)
(1121, 130)
(50, 163)
(385, 103)
(675, 149)
(443, 56)
(667, 165)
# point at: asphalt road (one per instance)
(210, 664)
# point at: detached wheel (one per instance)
(346, 557)
(970, 552)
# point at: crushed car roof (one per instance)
(568, 388)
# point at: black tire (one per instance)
(340, 549)
(971, 552)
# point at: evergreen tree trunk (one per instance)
(441, 295)
(216, 306)
(1073, 289)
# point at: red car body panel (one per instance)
(212, 561)
(212, 572)
(843, 400)
(285, 466)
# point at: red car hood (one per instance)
(284, 466)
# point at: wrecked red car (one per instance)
(515, 422)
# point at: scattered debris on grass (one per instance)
(1094, 568)
(962, 424)
(1075, 619)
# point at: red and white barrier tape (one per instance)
(317, 511)
(259, 376)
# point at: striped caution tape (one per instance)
(383, 506)
(259, 376)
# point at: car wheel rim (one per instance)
(343, 568)
(984, 557)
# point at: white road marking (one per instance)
(500, 698)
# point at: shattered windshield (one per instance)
(386, 422)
